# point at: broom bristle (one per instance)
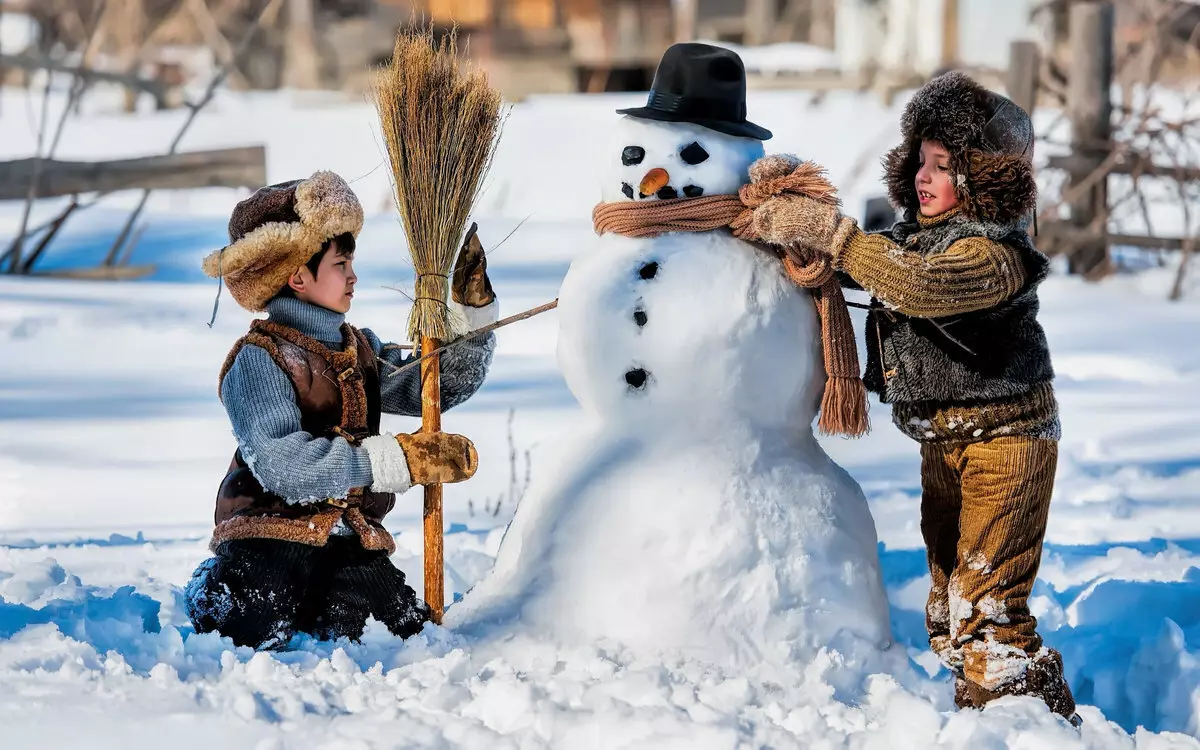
(440, 121)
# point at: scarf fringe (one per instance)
(844, 408)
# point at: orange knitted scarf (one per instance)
(844, 404)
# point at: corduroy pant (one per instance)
(983, 516)
(260, 592)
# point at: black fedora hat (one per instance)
(700, 84)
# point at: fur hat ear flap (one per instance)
(900, 167)
(1002, 186)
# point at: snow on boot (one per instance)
(962, 692)
(1043, 679)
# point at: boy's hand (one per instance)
(400, 461)
(438, 457)
(797, 220)
(795, 206)
(471, 285)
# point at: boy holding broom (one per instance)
(299, 543)
(954, 345)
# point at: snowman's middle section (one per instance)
(688, 327)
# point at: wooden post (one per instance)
(431, 421)
(685, 20)
(760, 18)
(1024, 66)
(950, 57)
(822, 29)
(130, 23)
(301, 68)
(1089, 107)
(627, 44)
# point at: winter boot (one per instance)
(1042, 679)
(962, 692)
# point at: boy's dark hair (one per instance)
(345, 248)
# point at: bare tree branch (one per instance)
(78, 85)
(266, 16)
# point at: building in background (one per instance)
(537, 46)
(923, 36)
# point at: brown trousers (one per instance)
(983, 516)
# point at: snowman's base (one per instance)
(746, 549)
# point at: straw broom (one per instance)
(440, 122)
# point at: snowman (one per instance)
(693, 512)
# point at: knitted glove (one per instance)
(400, 461)
(784, 212)
(797, 220)
(471, 286)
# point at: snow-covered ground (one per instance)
(112, 443)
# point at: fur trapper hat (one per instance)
(275, 231)
(990, 141)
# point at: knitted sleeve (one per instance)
(974, 273)
(464, 367)
(286, 460)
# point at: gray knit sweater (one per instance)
(261, 403)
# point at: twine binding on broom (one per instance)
(844, 403)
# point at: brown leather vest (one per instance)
(338, 395)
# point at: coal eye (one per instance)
(632, 155)
(693, 153)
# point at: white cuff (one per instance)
(464, 319)
(389, 466)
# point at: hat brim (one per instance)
(743, 129)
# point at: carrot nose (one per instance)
(654, 180)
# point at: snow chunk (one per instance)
(36, 583)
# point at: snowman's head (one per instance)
(649, 160)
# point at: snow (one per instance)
(112, 443)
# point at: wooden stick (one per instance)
(431, 421)
(468, 336)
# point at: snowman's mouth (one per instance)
(656, 184)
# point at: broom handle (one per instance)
(431, 421)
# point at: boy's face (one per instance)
(934, 182)
(333, 285)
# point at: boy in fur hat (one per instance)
(299, 543)
(954, 345)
